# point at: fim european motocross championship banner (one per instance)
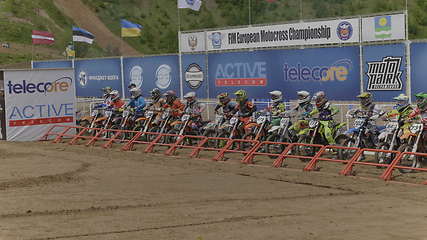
(36, 100)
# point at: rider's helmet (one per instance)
(155, 94)
(241, 96)
(320, 99)
(303, 97)
(421, 101)
(365, 99)
(402, 101)
(135, 92)
(276, 96)
(106, 91)
(190, 97)
(170, 96)
(115, 95)
(132, 85)
(223, 98)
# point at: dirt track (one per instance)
(56, 191)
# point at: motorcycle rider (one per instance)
(194, 107)
(277, 108)
(244, 108)
(225, 104)
(172, 102)
(116, 101)
(156, 100)
(326, 112)
(301, 111)
(137, 102)
(421, 113)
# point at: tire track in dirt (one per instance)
(224, 220)
(47, 179)
(65, 212)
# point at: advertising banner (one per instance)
(152, 72)
(53, 64)
(418, 67)
(193, 42)
(382, 28)
(2, 109)
(36, 100)
(194, 74)
(304, 33)
(94, 74)
(259, 72)
(385, 71)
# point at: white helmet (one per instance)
(114, 95)
(135, 92)
(190, 96)
(276, 96)
(303, 97)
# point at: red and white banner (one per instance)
(36, 100)
(42, 37)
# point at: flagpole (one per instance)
(181, 86)
(250, 17)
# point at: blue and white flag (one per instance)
(191, 4)
(81, 35)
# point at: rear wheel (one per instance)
(408, 160)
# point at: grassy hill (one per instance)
(160, 21)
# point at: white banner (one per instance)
(36, 100)
(382, 28)
(305, 33)
(193, 42)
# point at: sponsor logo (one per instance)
(192, 42)
(163, 76)
(40, 114)
(337, 71)
(383, 27)
(344, 31)
(216, 39)
(241, 74)
(385, 74)
(194, 76)
(82, 79)
(60, 85)
(136, 76)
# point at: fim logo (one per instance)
(344, 31)
(385, 74)
(216, 38)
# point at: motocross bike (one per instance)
(143, 124)
(124, 122)
(162, 127)
(314, 134)
(388, 140)
(256, 130)
(411, 142)
(279, 133)
(230, 130)
(362, 135)
(95, 120)
(212, 128)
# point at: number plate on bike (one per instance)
(125, 113)
(359, 122)
(149, 114)
(392, 125)
(415, 128)
(185, 117)
(284, 122)
(108, 113)
(94, 113)
(261, 119)
(233, 120)
(313, 123)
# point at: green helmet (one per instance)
(241, 95)
(365, 99)
(421, 100)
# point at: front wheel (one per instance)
(305, 150)
(346, 154)
(408, 160)
(245, 146)
(384, 157)
(275, 148)
(210, 133)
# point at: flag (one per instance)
(383, 27)
(191, 4)
(81, 35)
(42, 37)
(71, 53)
(130, 29)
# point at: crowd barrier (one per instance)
(248, 149)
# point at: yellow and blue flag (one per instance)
(130, 29)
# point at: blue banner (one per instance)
(384, 71)
(94, 74)
(333, 70)
(152, 72)
(194, 75)
(53, 64)
(418, 67)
